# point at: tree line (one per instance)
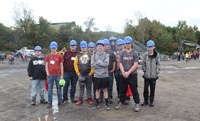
(29, 33)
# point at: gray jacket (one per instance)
(151, 65)
(100, 63)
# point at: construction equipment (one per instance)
(62, 51)
(189, 43)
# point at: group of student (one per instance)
(95, 67)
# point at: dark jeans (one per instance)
(132, 81)
(110, 87)
(118, 77)
(152, 84)
(71, 79)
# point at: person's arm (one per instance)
(144, 63)
(114, 62)
(30, 69)
(76, 66)
(104, 63)
(93, 63)
(121, 67)
(133, 68)
(46, 68)
(62, 70)
(158, 64)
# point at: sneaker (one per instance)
(79, 101)
(107, 107)
(137, 107)
(73, 100)
(43, 101)
(96, 106)
(120, 106)
(32, 103)
(49, 105)
(144, 103)
(64, 101)
(151, 104)
(90, 100)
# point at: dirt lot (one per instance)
(177, 98)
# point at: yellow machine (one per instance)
(62, 51)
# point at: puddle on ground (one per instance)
(50, 114)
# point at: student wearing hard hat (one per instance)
(121, 49)
(82, 66)
(69, 72)
(113, 44)
(99, 62)
(128, 66)
(91, 48)
(111, 69)
(151, 69)
(54, 70)
(37, 75)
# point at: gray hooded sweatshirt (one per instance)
(151, 65)
(99, 62)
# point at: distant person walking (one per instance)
(151, 68)
(37, 74)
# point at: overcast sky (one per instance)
(110, 14)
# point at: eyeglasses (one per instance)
(127, 43)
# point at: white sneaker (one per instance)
(137, 107)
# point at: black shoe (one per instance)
(49, 105)
(96, 106)
(73, 100)
(64, 101)
(144, 103)
(107, 107)
(32, 103)
(151, 104)
(43, 101)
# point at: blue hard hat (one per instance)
(100, 42)
(37, 48)
(53, 44)
(128, 39)
(91, 45)
(73, 43)
(106, 41)
(150, 43)
(112, 38)
(83, 44)
(120, 42)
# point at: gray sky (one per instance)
(108, 14)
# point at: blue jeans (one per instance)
(37, 85)
(51, 80)
(70, 79)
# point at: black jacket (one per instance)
(36, 68)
